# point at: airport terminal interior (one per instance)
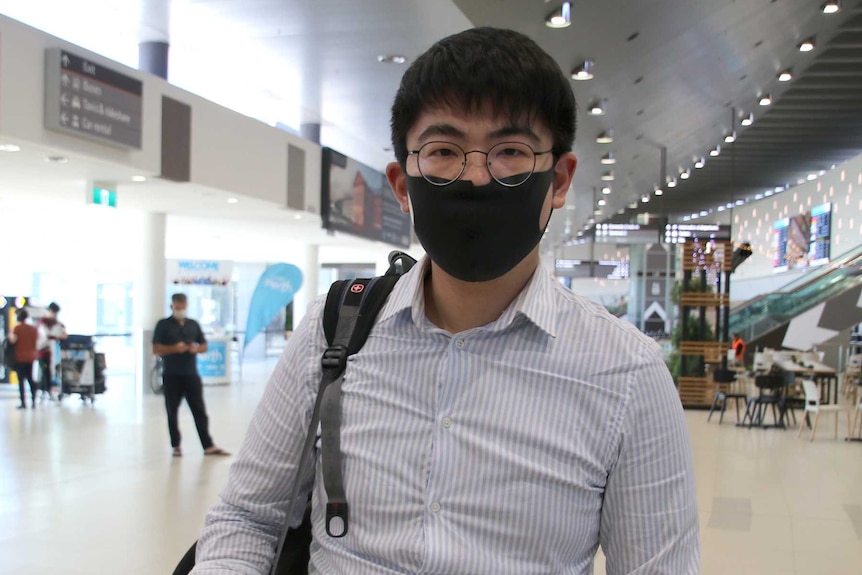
(236, 152)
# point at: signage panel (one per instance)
(92, 101)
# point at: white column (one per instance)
(150, 282)
(310, 266)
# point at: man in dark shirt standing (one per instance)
(178, 340)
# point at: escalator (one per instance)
(807, 311)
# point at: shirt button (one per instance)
(447, 423)
(435, 507)
(460, 344)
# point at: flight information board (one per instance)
(821, 232)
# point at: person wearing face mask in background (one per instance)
(178, 340)
(51, 331)
(494, 422)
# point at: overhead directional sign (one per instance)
(89, 100)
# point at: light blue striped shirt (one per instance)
(513, 448)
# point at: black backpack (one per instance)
(351, 308)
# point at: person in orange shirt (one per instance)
(738, 346)
(25, 336)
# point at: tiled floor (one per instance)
(93, 490)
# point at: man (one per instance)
(25, 336)
(51, 331)
(178, 340)
(738, 347)
(494, 422)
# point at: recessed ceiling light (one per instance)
(633, 205)
(10, 148)
(139, 179)
(580, 233)
(606, 190)
(730, 138)
(807, 45)
(232, 201)
(297, 216)
(621, 211)
(584, 71)
(671, 183)
(606, 137)
(658, 191)
(740, 202)
(812, 177)
(598, 107)
(391, 59)
(56, 159)
(700, 163)
(561, 17)
(597, 212)
(608, 177)
(715, 152)
(748, 120)
(766, 100)
(831, 7)
(645, 199)
(720, 208)
(685, 174)
(786, 75)
(609, 159)
(603, 202)
(591, 221)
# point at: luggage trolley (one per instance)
(82, 370)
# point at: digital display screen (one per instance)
(625, 234)
(803, 240)
(603, 269)
(679, 233)
(358, 200)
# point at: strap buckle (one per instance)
(337, 515)
(334, 359)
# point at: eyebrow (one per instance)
(451, 131)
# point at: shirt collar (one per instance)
(535, 302)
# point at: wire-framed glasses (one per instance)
(509, 163)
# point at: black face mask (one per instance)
(478, 233)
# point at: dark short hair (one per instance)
(179, 298)
(23, 314)
(54, 307)
(501, 69)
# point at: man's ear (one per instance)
(564, 171)
(398, 181)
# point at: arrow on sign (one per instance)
(65, 59)
(804, 331)
(65, 80)
(64, 99)
(64, 118)
(655, 308)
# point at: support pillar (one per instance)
(310, 266)
(149, 292)
(154, 27)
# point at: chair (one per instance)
(726, 383)
(770, 393)
(812, 405)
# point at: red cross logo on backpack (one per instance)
(357, 288)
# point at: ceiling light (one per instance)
(684, 175)
(56, 159)
(748, 120)
(658, 191)
(766, 100)
(715, 152)
(720, 208)
(633, 205)
(10, 148)
(609, 159)
(786, 75)
(621, 211)
(780, 189)
(671, 183)
(598, 107)
(561, 17)
(606, 190)
(603, 202)
(694, 216)
(704, 213)
(812, 177)
(297, 217)
(139, 179)
(729, 205)
(584, 71)
(580, 233)
(597, 212)
(740, 202)
(232, 201)
(807, 45)
(730, 138)
(831, 7)
(645, 199)
(391, 59)
(608, 177)
(591, 221)
(606, 137)
(700, 163)
(686, 218)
